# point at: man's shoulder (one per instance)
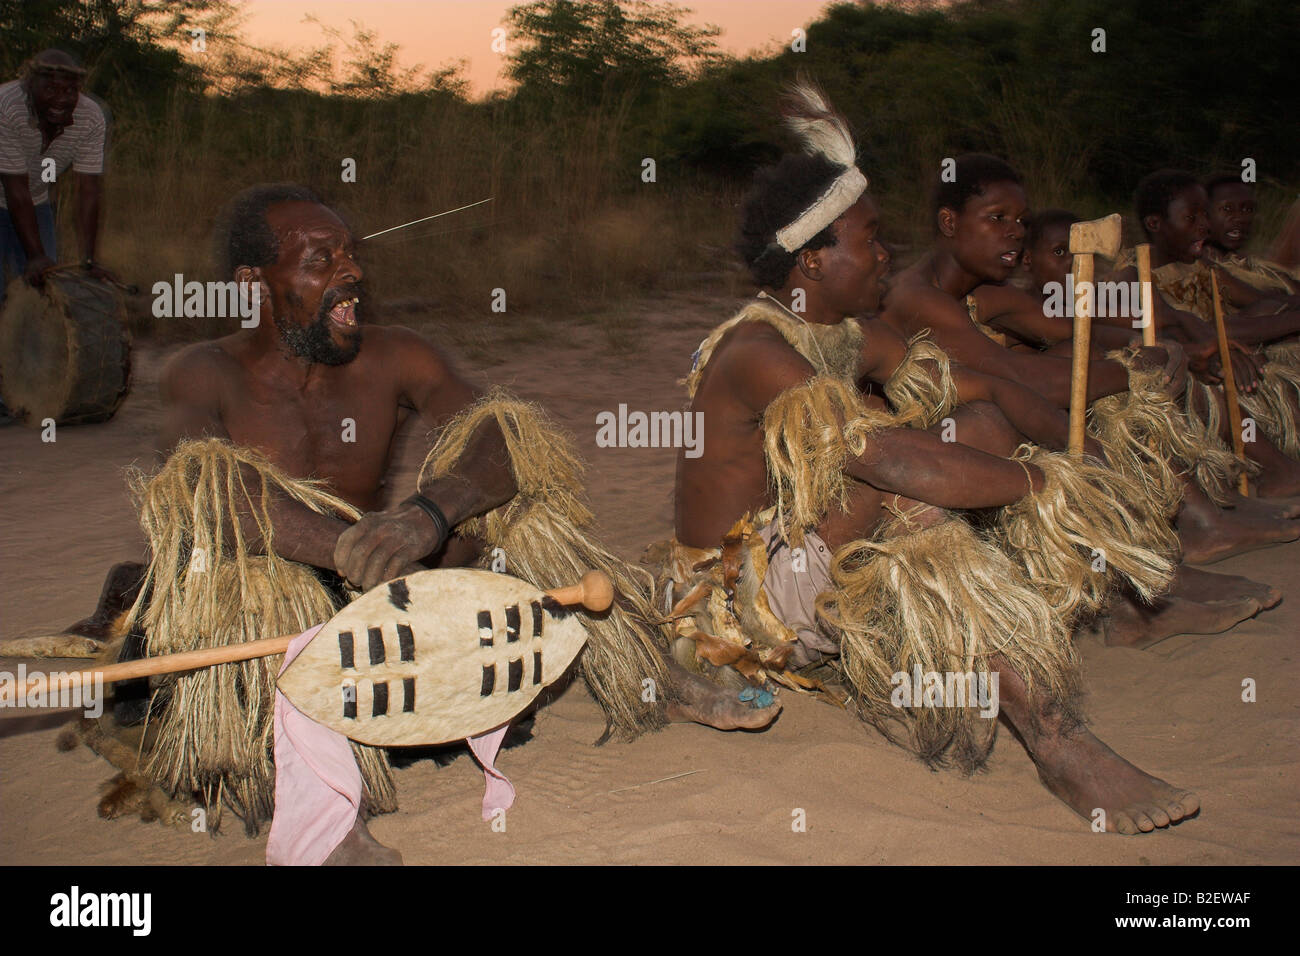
(751, 341)
(13, 102)
(386, 341)
(913, 298)
(196, 365)
(89, 113)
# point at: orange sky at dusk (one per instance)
(437, 32)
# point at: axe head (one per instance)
(1096, 236)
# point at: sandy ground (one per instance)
(688, 794)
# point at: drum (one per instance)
(65, 354)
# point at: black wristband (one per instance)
(433, 511)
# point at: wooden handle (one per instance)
(595, 592)
(163, 664)
(1082, 352)
(1229, 382)
(1146, 294)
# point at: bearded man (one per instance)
(276, 445)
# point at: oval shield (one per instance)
(434, 657)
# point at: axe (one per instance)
(1086, 240)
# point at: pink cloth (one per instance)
(498, 793)
(318, 785)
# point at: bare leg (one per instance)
(1084, 773)
(359, 848)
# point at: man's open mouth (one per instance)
(1010, 258)
(1196, 247)
(1233, 234)
(344, 312)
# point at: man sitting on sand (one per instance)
(812, 527)
(1231, 215)
(1173, 210)
(277, 441)
(980, 233)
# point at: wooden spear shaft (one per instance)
(1229, 383)
(595, 592)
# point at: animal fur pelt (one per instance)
(942, 600)
(1086, 531)
(544, 534)
(206, 587)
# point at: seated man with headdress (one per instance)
(277, 441)
(818, 541)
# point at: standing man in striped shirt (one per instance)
(47, 125)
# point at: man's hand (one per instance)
(37, 266)
(101, 274)
(384, 545)
(1170, 359)
(1175, 368)
(1245, 366)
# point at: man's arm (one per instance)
(381, 544)
(191, 387)
(920, 465)
(1020, 314)
(953, 331)
(901, 461)
(22, 211)
(883, 350)
(89, 191)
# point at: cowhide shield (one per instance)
(434, 657)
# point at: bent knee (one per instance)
(982, 425)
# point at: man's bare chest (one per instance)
(341, 435)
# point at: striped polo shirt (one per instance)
(80, 145)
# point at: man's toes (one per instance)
(1188, 803)
(1272, 598)
(1124, 823)
(1144, 823)
(1157, 816)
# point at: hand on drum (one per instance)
(384, 545)
(96, 271)
(37, 266)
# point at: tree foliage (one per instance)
(576, 50)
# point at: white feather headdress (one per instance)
(809, 115)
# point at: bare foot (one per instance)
(1276, 509)
(1196, 584)
(1132, 624)
(703, 702)
(1209, 533)
(359, 848)
(1086, 776)
(1279, 476)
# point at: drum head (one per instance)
(64, 354)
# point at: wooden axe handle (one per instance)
(1146, 293)
(1229, 381)
(1080, 354)
(595, 592)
